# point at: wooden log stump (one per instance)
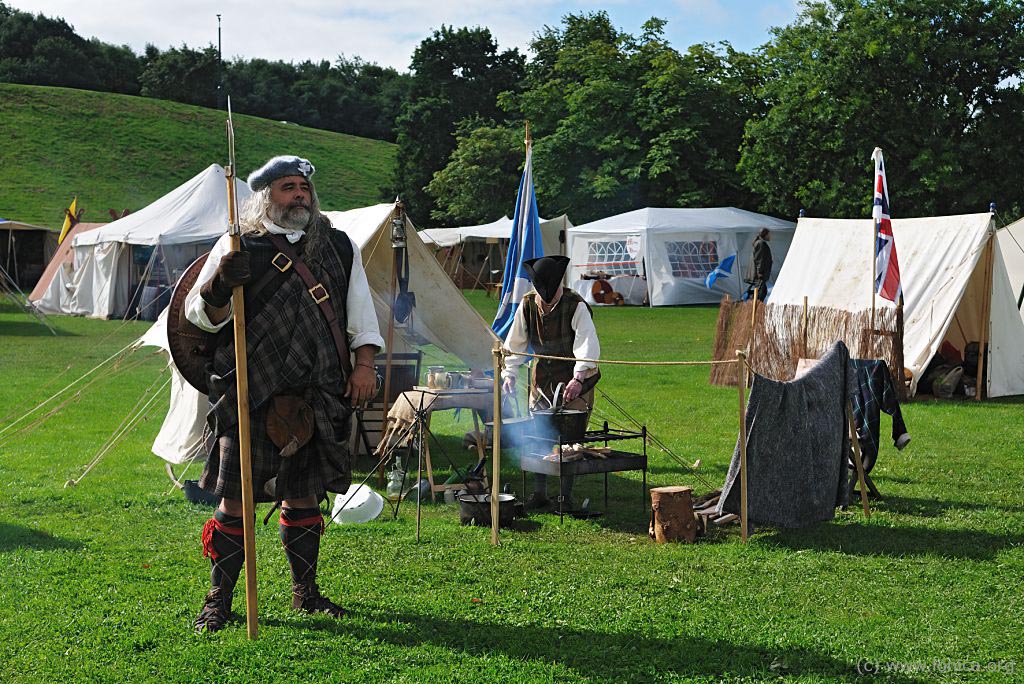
(672, 516)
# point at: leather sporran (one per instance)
(290, 423)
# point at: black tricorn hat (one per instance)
(546, 274)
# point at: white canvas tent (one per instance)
(1011, 243)
(943, 268)
(674, 249)
(475, 255)
(442, 317)
(124, 265)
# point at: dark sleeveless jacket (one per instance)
(552, 335)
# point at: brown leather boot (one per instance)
(216, 611)
(306, 597)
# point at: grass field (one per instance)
(123, 152)
(100, 582)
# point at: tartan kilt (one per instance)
(323, 465)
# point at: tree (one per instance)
(479, 183)
(619, 122)
(183, 75)
(932, 82)
(457, 74)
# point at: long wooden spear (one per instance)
(242, 387)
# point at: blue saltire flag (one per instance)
(524, 244)
(723, 270)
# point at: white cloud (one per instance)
(382, 31)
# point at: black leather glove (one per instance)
(232, 271)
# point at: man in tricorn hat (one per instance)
(303, 385)
(553, 321)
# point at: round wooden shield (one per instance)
(191, 347)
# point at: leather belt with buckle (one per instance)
(285, 262)
(319, 293)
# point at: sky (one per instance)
(387, 31)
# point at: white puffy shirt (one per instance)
(585, 345)
(362, 326)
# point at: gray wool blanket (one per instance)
(797, 446)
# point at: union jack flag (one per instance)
(887, 267)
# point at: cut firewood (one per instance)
(726, 519)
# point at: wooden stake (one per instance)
(496, 443)
(740, 375)
(857, 460)
(986, 309)
(244, 434)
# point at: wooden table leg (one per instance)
(478, 437)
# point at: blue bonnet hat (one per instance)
(279, 167)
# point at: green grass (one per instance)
(100, 582)
(118, 151)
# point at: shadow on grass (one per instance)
(624, 656)
(30, 328)
(875, 540)
(933, 508)
(13, 537)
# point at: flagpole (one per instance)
(874, 245)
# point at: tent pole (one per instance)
(496, 443)
(986, 305)
(741, 374)
(391, 336)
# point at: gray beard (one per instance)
(291, 218)
(318, 235)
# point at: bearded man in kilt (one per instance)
(302, 384)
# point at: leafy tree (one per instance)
(935, 83)
(619, 122)
(479, 183)
(183, 75)
(457, 74)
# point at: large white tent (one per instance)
(442, 317)
(943, 276)
(1011, 243)
(121, 267)
(675, 249)
(475, 255)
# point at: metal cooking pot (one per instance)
(569, 424)
(476, 509)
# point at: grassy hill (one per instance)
(118, 151)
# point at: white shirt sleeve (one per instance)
(516, 342)
(585, 346)
(195, 307)
(362, 326)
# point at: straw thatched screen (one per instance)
(780, 338)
